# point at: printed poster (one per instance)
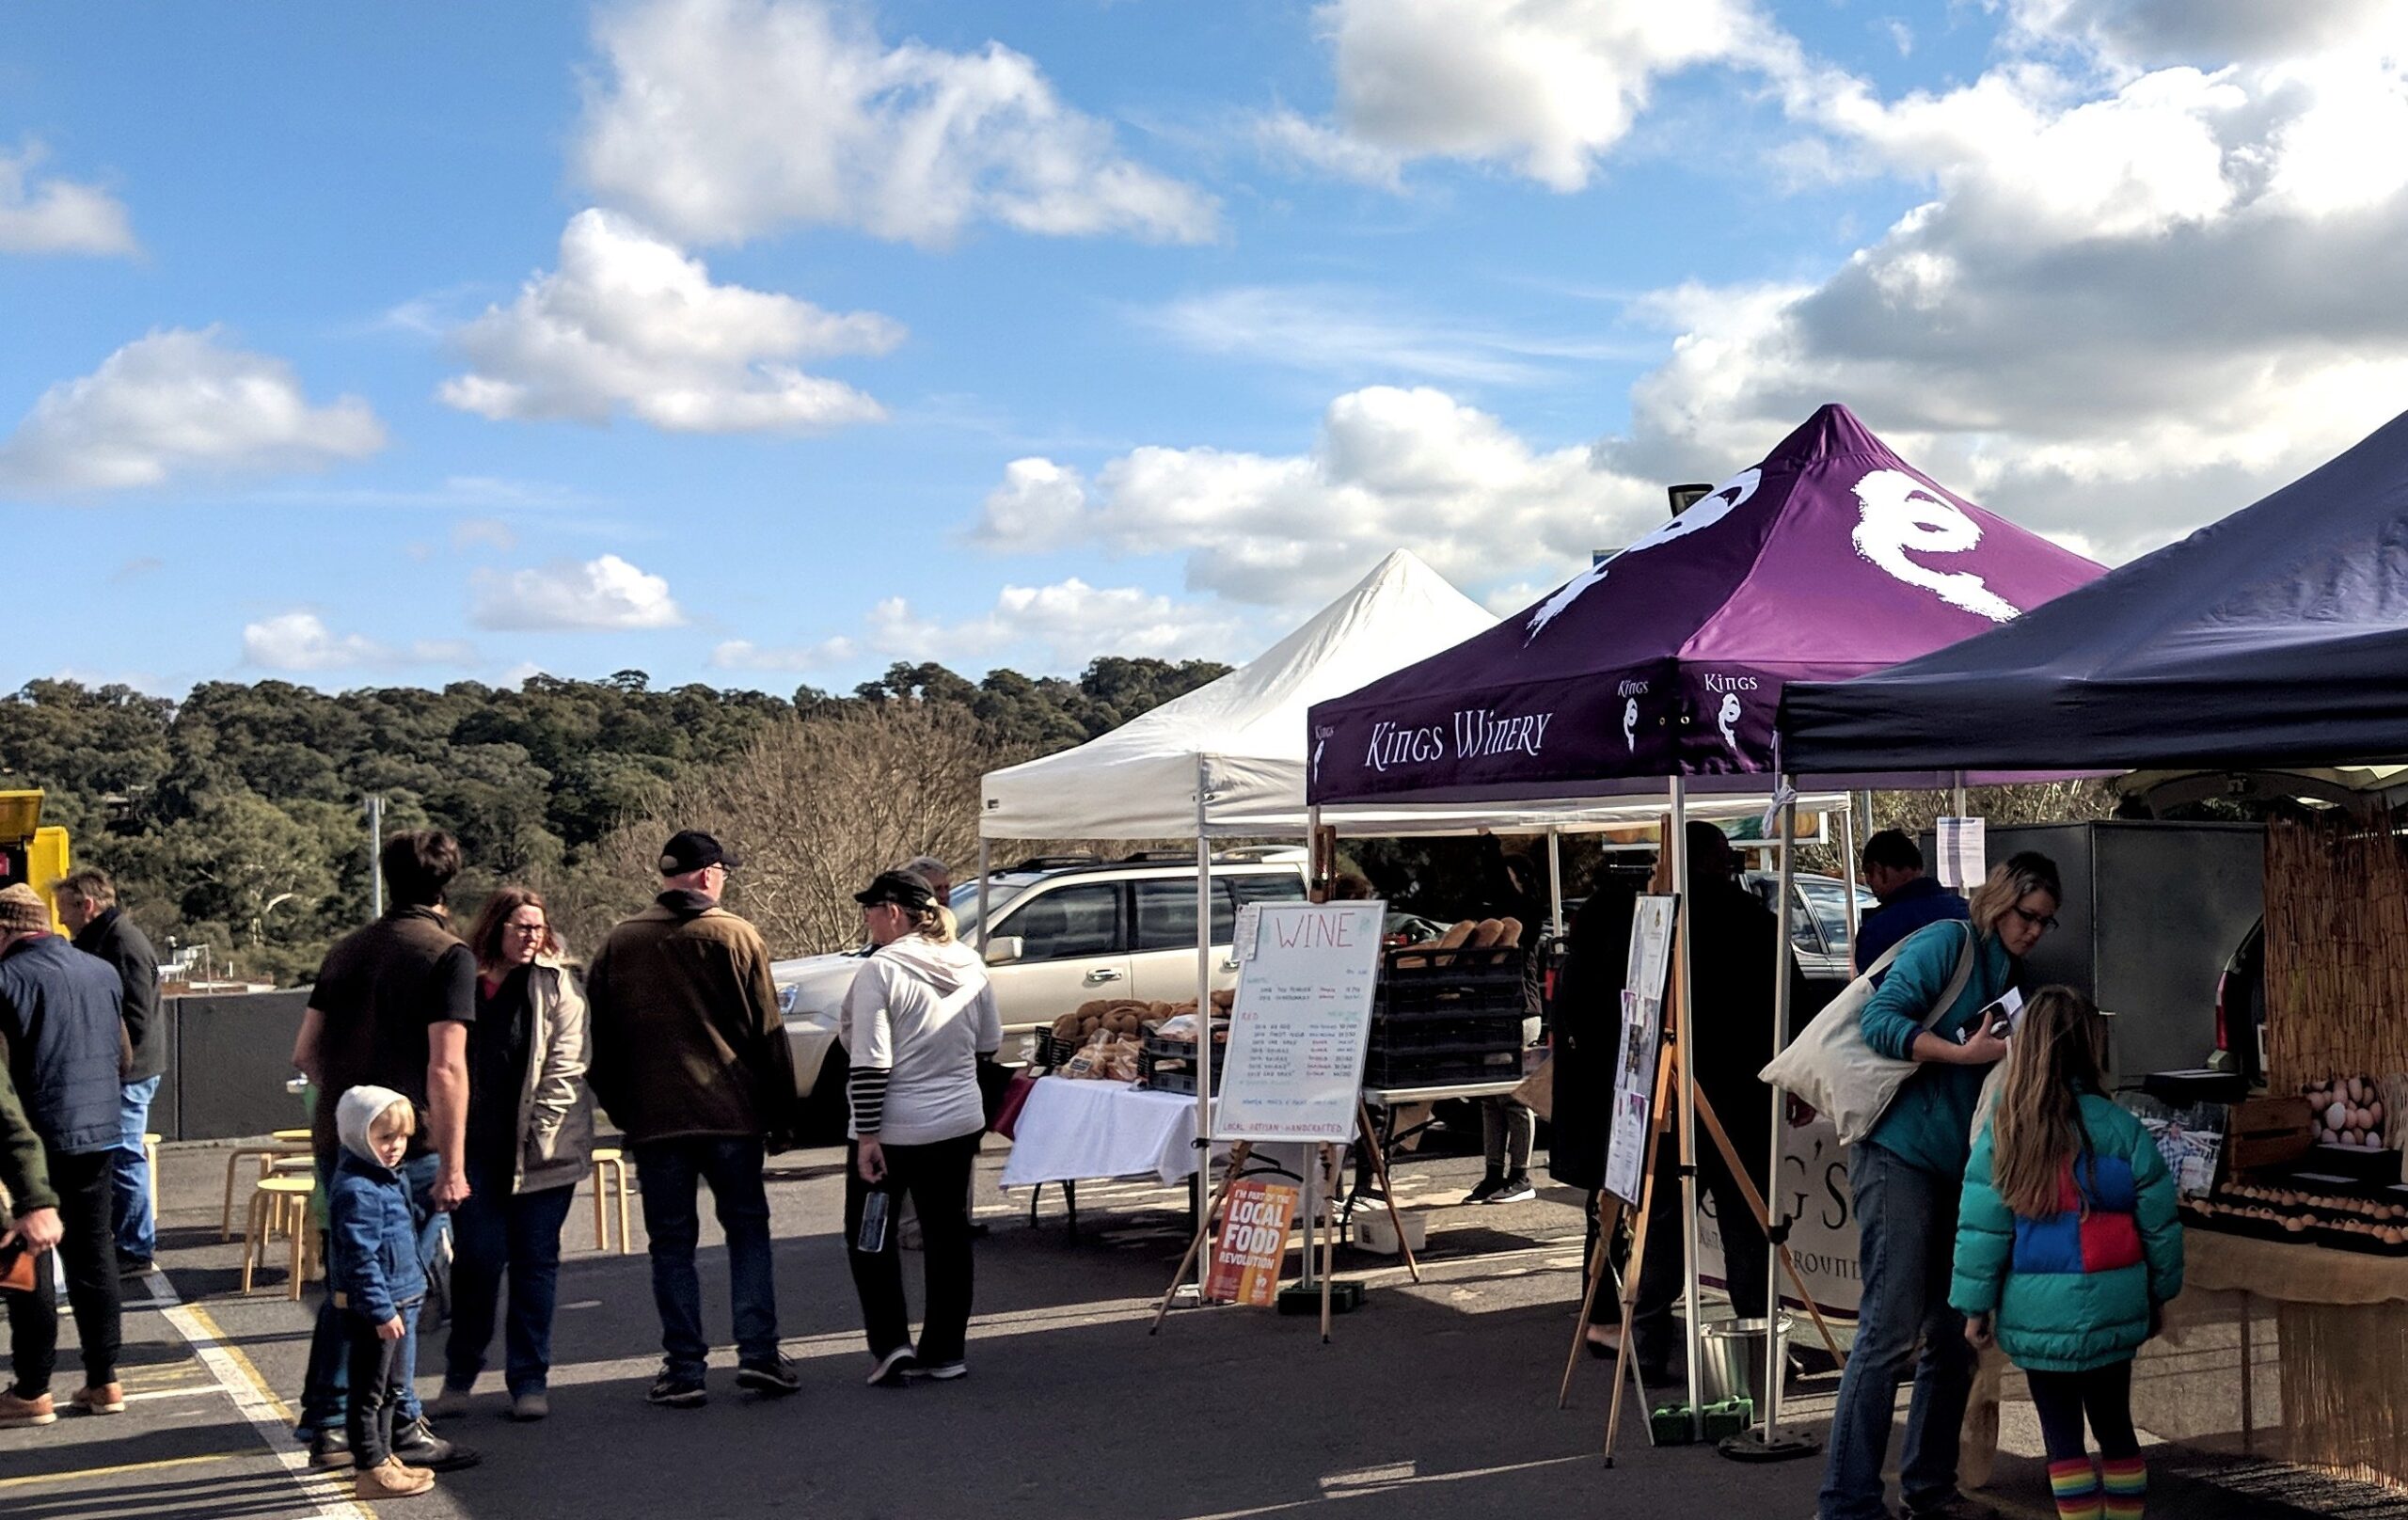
(1293, 1067)
(1253, 1247)
(1964, 852)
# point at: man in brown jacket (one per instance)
(690, 1058)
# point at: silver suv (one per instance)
(1064, 929)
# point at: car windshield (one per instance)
(964, 902)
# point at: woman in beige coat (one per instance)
(530, 1137)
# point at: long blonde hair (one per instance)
(2059, 1053)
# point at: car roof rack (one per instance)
(1136, 856)
(1056, 862)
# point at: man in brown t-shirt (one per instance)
(392, 1008)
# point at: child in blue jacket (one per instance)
(2068, 1247)
(377, 1273)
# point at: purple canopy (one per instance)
(1831, 559)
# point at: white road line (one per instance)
(267, 1414)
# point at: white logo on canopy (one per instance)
(1725, 499)
(1631, 724)
(1898, 513)
(1728, 720)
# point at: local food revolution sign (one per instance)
(1253, 1248)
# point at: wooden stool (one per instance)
(265, 1156)
(280, 1203)
(151, 1157)
(610, 1163)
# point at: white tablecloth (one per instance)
(1071, 1130)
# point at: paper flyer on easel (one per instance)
(1642, 1028)
(1253, 1248)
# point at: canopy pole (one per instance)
(1555, 876)
(1203, 1009)
(1848, 848)
(986, 856)
(1783, 950)
(1685, 1036)
(1957, 793)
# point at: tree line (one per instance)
(234, 819)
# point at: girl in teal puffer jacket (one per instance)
(2066, 1248)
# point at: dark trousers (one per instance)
(88, 1248)
(671, 1172)
(936, 1178)
(375, 1368)
(1658, 1343)
(327, 1374)
(2103, 1393)
(498, 1233)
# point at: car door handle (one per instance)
(1103, 974)
(1231, 964)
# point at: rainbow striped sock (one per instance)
(2075, 1484)
(2126, 1480)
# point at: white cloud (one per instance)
(2135, 300)
(179, 401)
(486, 532)
(55, 216)
(2141, 33)
(1336, 330)
(1542, 87)
(723, 119)
(1391, 467)
(302, 641)
(608, 593)
(1060, 626)
(629, 323)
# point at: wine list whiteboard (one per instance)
(1302, 1015)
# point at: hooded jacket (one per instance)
(687, 1036)
(922, 1013)
(555, 1110)
(373, 1237)
(2073, 1291)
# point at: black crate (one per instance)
(1447, 1030)
(1433, 1069)
(1169, 1065)
(1415, 978)
(1051, 1055)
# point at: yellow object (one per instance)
(281, 1204)
(30, 852)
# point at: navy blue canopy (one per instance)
(2278, 636)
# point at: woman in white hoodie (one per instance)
(918, 1019)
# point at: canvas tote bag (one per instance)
(1829, 1066)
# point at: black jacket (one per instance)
(1734, 962)
(121, 942)
(1586, 1024)
(58, 1022)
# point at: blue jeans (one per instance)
(325, 1386)
(668, 1170)
(495, 1233)
(137, 1233)
(1906, 1220)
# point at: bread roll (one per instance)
(1511, 937)
(1485, 933)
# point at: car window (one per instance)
(1166, 915)
(965, 903)
(1271, 886)
(1067, 920)
(1828, 902)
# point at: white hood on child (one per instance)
(355, 1111)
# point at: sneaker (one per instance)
(17, 1413)
(449, 1404)
(1488, 1187)
(531, 1407)
(417, 1445)
(1514, 1188)
(776, 1378)
(940, 1372)
(108, 1398)
(678, 1391)
(894, 1367)
(133, 1266)
(1952, 1507)
(330, 1447)
(391, 1480)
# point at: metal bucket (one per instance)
(1732, 1363)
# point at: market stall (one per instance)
(2273, 638)
(1664, 663)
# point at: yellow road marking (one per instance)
(124, 1468)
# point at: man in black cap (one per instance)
(689, 1057)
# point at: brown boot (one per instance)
(16, 1414)
(389, 1479)
(108, 1398)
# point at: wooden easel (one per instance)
(1328, 1157)
(1668, 1062)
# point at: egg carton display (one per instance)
(2308, 1209)
(2354, 1110)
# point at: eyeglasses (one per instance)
(2038, 921)
(523, 928)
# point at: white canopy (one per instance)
(1242, 733)
(1244, 736)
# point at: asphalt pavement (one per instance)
(1434, 1399)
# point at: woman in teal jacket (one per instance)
(2067, 1246)
(1905, 1178)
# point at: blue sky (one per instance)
(768, 341)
